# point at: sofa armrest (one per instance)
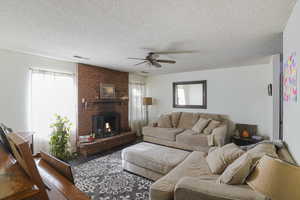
(189, 188)
(218, 136)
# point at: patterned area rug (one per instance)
(104, 179)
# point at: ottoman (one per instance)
(151, 160)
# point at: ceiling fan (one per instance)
(152, 58)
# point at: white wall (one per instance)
(291, 111)
(14, 85)
(240, 93)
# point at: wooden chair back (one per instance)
(62, 167)
(23, 155)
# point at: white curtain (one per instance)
(137, 113)
(51, 93)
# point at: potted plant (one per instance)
(60, 138)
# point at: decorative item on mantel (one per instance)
(107, 91)
(108, 94)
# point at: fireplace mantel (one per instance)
(91, 102)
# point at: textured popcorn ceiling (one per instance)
(224, 32)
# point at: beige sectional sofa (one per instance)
(185, 172)
(183, 175)
(181, 135)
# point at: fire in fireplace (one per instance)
(106, 124)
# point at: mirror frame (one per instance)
(204, 100)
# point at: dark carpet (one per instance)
(103, 179)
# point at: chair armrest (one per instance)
(218, 136)
(189, 188)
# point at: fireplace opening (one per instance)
(106, 124)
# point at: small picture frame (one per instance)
(107, 91)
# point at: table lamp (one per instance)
(147, 101)
(276, 179)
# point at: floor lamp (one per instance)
(147, 101)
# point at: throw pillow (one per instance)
(220, 158)
(237, 172)
(211, 126)
(164, 121)
(262, 149)
(200, 125)
(175, 116)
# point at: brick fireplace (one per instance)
(89, 80)
(106, 124)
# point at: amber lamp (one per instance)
(245, 134)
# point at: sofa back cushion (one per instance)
(262, 149)
(221, 157)
(188, 120)
(164, 121)
(175, 117)
(284, 154)
(210, 116)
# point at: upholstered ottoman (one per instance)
(151, 160)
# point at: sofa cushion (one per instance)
(211, 126)
(194, 165)
(200, 125)
(175, 117)
(220, 158)
(191, 138)
(237, 172)
(154, 157)
(189, 188)
(162, 133)
(262, 149)
(164, 121)
(188, 120)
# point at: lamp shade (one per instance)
(276, 179)
(147, 101)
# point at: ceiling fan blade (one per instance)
(137, 58)
(141, 63)
(174, 52)
(166, 61)
(156, 64)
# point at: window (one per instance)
(51, 93)
(137, 114)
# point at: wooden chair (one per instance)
(58, 165)
(23, 155)
(53, 177)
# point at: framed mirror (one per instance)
(191, 94)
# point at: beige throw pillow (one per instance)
(164, 121)
(237, 172)
(211, 126)
(200, 125)
(220, 158)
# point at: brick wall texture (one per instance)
(89, 79)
